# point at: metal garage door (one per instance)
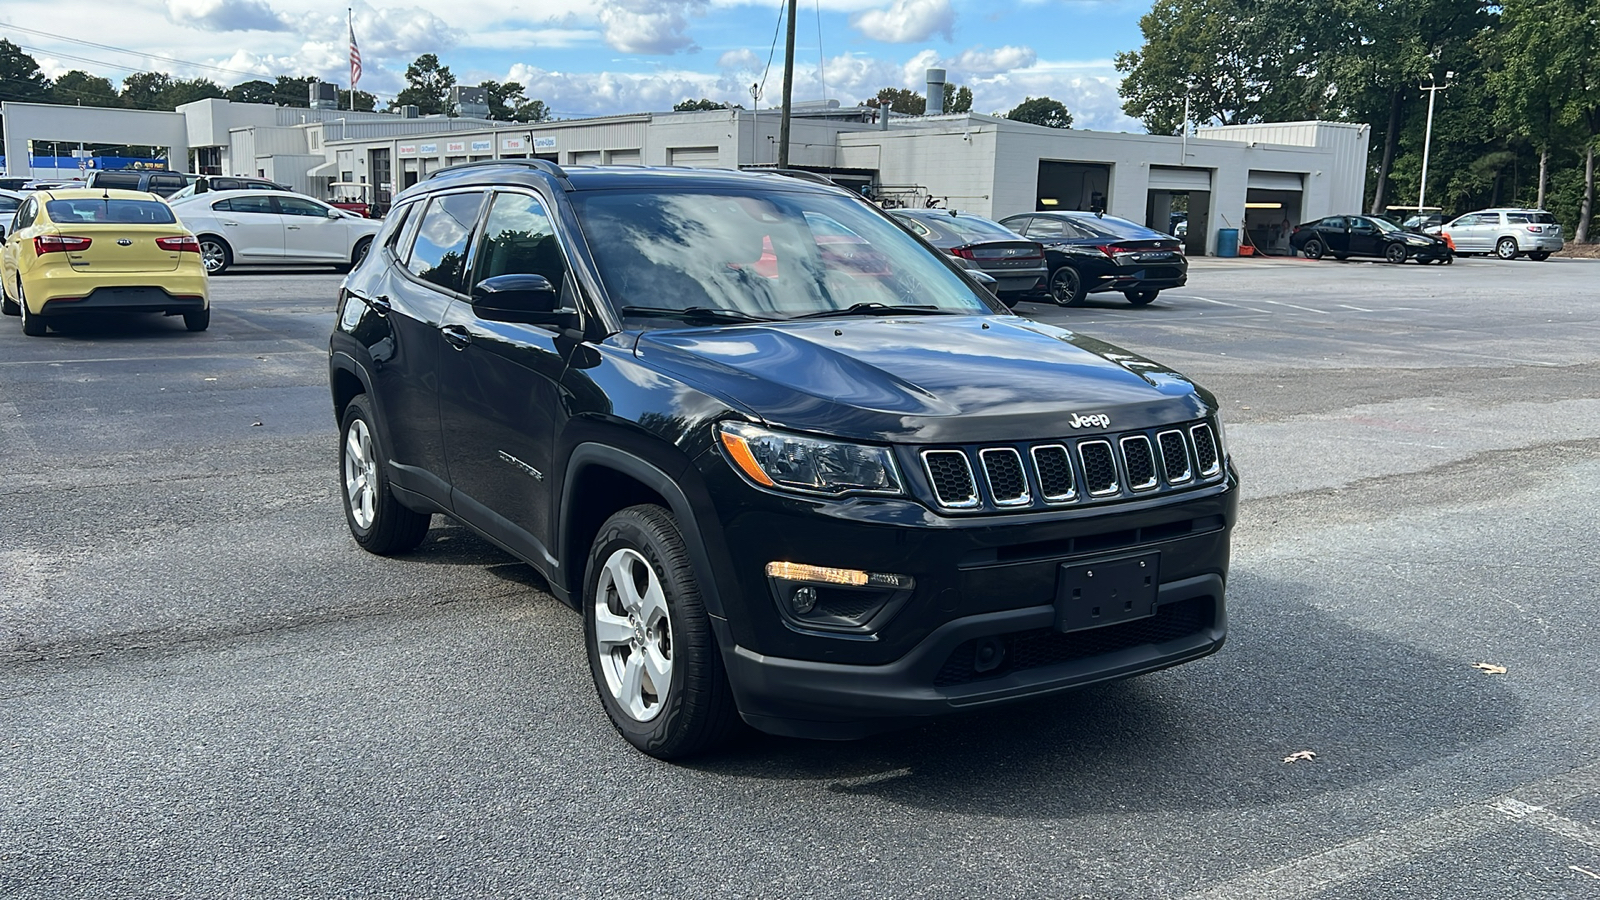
(584, 158)
(699, 157)
(1275, 181)
(1172, 178)
(625, 157)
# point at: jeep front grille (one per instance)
(1010, 477)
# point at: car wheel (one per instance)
(1395, 253)
(1538, 255)
(197, 321)
(215, 255)
(358, 254)
(1449, 260)
(1140, 298)
(378, 522)
(8, 306)
(1313, 249)
(1506, 248)
(654, 660)
(32, 325)
(1066, 287)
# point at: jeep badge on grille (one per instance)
(1098, 420)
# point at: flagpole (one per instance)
(350, 25)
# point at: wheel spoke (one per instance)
(620, 566)
(610, 630)
(653, 605)
(659, 668)
(631, 695)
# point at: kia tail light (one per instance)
(179, 243)
(59, 243)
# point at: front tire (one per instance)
(1506, 248)
(378, 522)
(32, 325)
(9, 306)
(357, 255)
(197, 321)
(1313, 249)
(654, 660)
(1067, 287)
(1538, 255)
(1140, 298)
(215, 255)
(1395, 253)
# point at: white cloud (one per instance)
(649, 26)
(739, 61)
(978, 61)
(531, 38)
(906, 21)
(227, 15)
(395, 31)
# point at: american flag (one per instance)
(355, 60)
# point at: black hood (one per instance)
(925, 379)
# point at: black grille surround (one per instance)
(1069, 472)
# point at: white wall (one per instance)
(91, 125)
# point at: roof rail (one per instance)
(543, 165)
(802, 174)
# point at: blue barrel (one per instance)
(1227, 242)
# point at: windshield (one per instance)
(1384, 224)
(761, 255)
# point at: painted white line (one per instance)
(1356, 308)
(1311, 875)
(1320, 312)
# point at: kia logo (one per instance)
(124, 242)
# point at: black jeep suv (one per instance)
(828, 493)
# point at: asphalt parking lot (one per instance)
(207, 690)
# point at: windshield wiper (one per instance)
(693, 314)
(875, 308)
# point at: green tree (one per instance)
(957, 100)
(79, 87)
(701, 105)
(503, 99)
(289, 90)
(428, 86)
(532, 111)
(180, 92)
(143, 90)
(365, 102)
(1041, 111)
(252, 91)
(901, 100)
(21, 80)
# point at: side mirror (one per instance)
(524, 299)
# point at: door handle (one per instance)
(380, 305)
(231, 224)
(456, 336)
(292, 227)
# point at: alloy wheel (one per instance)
(360, 474)
(633, 633)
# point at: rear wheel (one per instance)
(32, 325)
(9, 306)
(1140, 298)
(215, 255)
(1506, 248)
(378, 522)
(1395, 253)
(1313, 249)
(1066, 287)
(654, 660)
(197, 321)
(1538, 255)
(357, 255)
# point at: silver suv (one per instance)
(1507, 233)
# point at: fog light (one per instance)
(803, 600)
(988, 655)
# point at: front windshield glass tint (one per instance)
(1384, 224)
(764, 254)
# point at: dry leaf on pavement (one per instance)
(1489, 668)
(1300, 756)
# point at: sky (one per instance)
(601, 57)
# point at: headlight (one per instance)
(807, 464)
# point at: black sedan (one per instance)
(1089, 252)
(1015, 263)
(1344, 236)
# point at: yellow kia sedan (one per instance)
(78, 251)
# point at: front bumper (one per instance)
(979, 580)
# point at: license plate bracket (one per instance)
(1107, 591)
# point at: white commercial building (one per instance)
(1255, 179)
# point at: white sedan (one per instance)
(267, 228)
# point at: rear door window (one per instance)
(295, 206)
(439, 250)
(248, 205)
(126, 180)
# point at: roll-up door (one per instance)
(1171, 178)
(625, 158)
(1276, 181)
(585, 158)
(697, 157)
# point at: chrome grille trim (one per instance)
(971, 500)
(1205, 444)
(988, 456)
(1138, 456)
(1115, 485)
(1187, 473)
(1066, 460)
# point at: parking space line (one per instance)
(1356, 308)
(1320, 312)
(315, 351)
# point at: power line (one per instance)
(783, 7)
(73, 40)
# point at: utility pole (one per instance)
(1433, 90)
(788, 89)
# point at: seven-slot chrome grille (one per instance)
(1073, 471)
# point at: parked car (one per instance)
(9, 183)
(1507, 233)
(1016, 263)
(205, 183)
(155, 181)
(265, 228)
(10, 201)
(828, 502)
(1427, 224)
(1342, 237)
(1088, 253)
(80, 251)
